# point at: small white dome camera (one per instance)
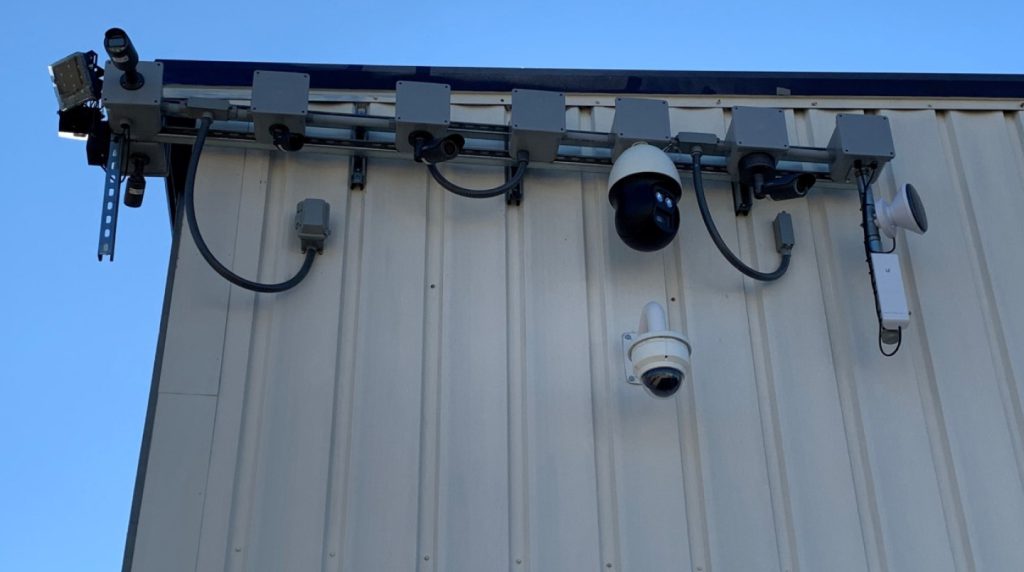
(656, 357)
(905, 211)
(644, 189)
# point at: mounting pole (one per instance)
(111, 199)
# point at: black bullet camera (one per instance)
(435, 150)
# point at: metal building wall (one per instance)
(445, 391)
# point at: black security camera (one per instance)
(435, 150)
(124, 57)
(784, 187)
(662, 381)
(285, 140)
(644, 188)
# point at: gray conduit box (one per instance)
(279, 98)
(639, 120)
(538, 123)
(421, 106)
(137, 108)
(864, 138)
(756, 130)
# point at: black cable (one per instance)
(705, 213)
(893, 249)
(899, 342)
(193, 227)
(524, 160)
(125, 150)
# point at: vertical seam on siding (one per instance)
(778, 482)
(935, 419)
(341, 423)
(224, 343)
(517, 460)
(844, 371)
(849, 401)
(426, 553)
(999, 350)
(601, 351)
(252, 414)
(687, 428)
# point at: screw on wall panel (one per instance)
(608, 565)
(237, 549)
(632, 378)
(628, 337)
(426, 557)
(519, 560)
(332, 555)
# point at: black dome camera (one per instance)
(663, 381)
(644, 188)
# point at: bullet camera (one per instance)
(644, 189)
(427, 148)
(285, 140)
(785, 187)
(905, 211)
(124, 57)
(136, 189)
(655, 356)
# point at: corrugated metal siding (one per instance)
(445, 391)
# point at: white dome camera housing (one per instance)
(656, 357)
(644, 188)
(905, 211)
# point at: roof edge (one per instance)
(815, 84)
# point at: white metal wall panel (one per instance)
(445, 391)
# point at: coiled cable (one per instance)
(197, 237)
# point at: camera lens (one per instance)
(916, 208)
(663, 381)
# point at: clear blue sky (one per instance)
(78, 336)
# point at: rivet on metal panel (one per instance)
(519, 560)
(628, 337)
(426, 557)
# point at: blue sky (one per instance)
(78, 336)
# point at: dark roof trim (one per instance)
(323, 76)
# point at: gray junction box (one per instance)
(640, 120)
(756, 130)
(421, 106)
(538, 123)
(137, 108)
(279, 98)
(864, 138)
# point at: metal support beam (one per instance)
(357, 162)
(111, 199)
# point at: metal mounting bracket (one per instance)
(111, 199)
(357, 163)
(627, 365)
(741, 198)
(513, 196)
